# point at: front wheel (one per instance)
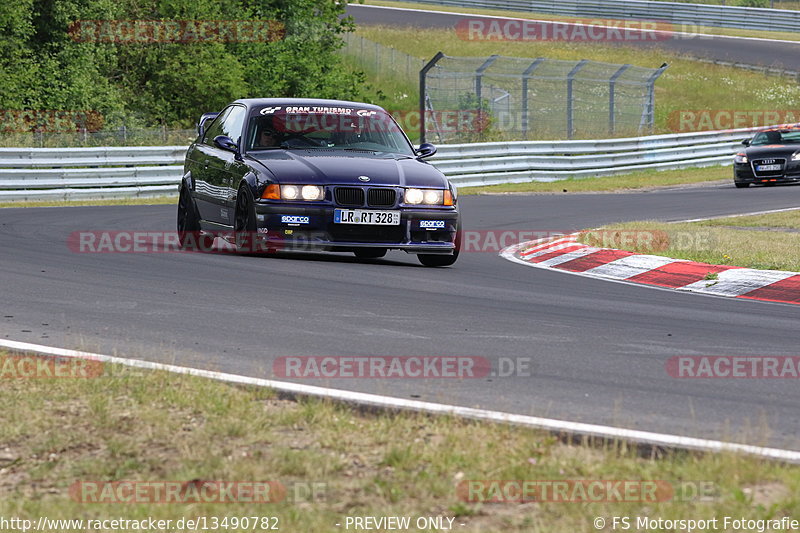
(370, 253)
(741, 185)
(189, 235)
(245, 222)
(439, 260)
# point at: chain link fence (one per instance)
(384, 63)
(473, 99)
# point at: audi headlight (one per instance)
(740, 158)
(428, 197)
(796, 156)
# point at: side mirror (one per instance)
(746, 142)
(204, 119)
(226, 143)
(425, 150)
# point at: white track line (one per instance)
(754, 213)
(684, 35)
(549, 424)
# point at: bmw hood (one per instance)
(336, 167)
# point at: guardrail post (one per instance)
(570, 99)
(423, 73)
(612, 121)
(525, 77)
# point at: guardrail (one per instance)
(469, 165)
(30, 174)
(750, 18)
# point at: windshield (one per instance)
(315, 127)
(777, 137)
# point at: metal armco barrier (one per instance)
(751, 18)
(30, 174)
(469, 165)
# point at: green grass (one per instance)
(766, 242)
(691, 29)
(130, 425)
(646, 179)
(127, 201)
(686, 86)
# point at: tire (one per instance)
(188, 225)
(245, 222)
(370, 253)
(439, 260)
(741, 185)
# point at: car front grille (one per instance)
(349, 196)
(770, 161)
(381, 197)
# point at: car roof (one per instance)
(258, 102)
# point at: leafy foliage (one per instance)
(48, 64)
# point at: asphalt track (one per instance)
(598, 348)
(748, 51)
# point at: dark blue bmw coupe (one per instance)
(316, 175)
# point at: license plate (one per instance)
(767, 168)
(367, 218)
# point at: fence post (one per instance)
(570, 99)
(525, 77)
(612, 119)
(423, 73)
(479, 77)
(648, 115)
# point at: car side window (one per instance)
(216, 127)
(233, 123)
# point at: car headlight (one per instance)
(293, 192)
(740, 158)
(796, 156)
(311, 192)
(428, 197)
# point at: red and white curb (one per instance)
(568, 255)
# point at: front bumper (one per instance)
(743, 173)
(289, 226)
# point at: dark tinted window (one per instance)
(232, 124)
(777, 137)
(216, 127)
(309, 127)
